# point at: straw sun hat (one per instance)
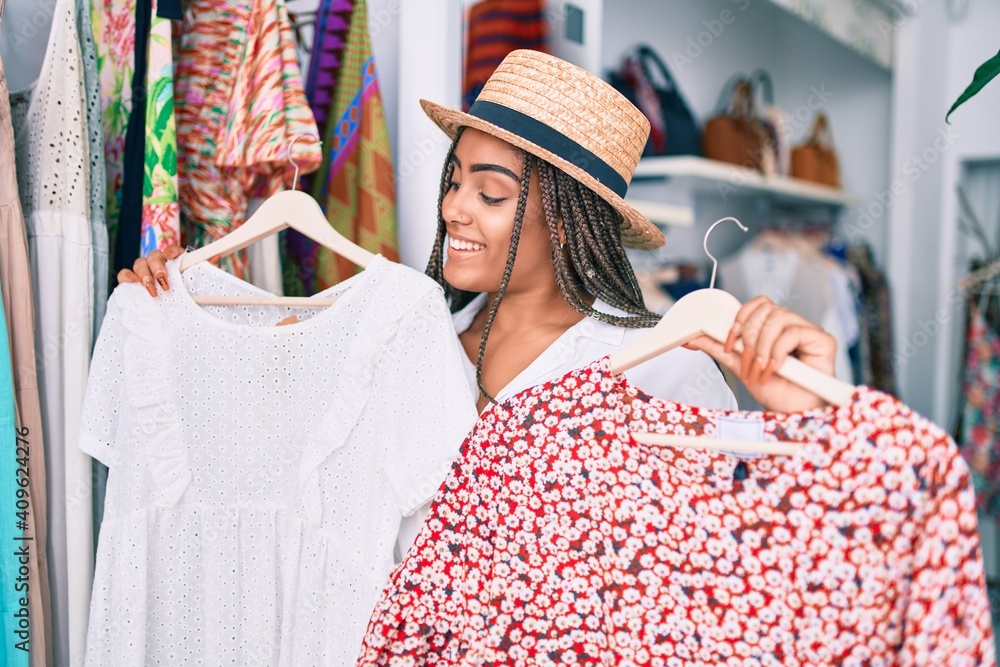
(568, 117)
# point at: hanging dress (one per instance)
(259, 472)
(19, 309)
(53, 156)
(980, 438)
(240, 103)
(355, 185)
(557, 539)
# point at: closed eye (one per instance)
(492, 201)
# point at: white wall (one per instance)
(429, 67)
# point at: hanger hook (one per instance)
(295, 178)
(715, 262)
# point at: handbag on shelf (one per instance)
(673, 128)
(775, 159)
(816, 159)
(735, 134)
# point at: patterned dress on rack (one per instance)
(980, 440)
(114, 31)
(557, 539)
(356, 182)
(240, 103)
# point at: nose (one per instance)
(454, 208)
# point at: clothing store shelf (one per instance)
(704, 177)
(663, 214)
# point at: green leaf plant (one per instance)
(984, 74)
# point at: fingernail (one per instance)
(162, 279)
(147, 282)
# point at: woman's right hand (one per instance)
(152, 270)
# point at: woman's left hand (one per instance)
(770, 334)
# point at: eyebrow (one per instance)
(495, 168)
(486, 166)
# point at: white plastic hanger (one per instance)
(289, 209)
(712, 312)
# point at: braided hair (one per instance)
(592, 260)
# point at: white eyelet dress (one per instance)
(259, 473)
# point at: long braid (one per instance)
(598, 261)
(515, 237)
(622, 283)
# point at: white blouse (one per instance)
(258, 473)
(681, 375)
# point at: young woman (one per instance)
(532, 218)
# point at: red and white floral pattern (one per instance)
(559, 540)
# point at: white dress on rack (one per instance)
(259, 473)
(53, 170)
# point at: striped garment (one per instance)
(356, 182)
(495, 28)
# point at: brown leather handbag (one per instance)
(816, 159)
(735, 135)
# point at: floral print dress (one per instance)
(557, 539)
(114, 28)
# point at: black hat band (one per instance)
(551, 140)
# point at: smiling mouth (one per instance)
(466, 246)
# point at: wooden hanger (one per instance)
(712, 312)
(289, 209)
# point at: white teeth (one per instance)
(459, 244)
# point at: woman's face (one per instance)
(478, 212)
